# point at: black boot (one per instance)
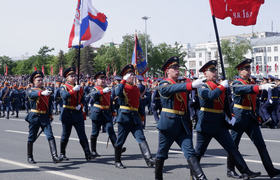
(93, 141)
(271, 171)
(230, 169)
(13, 113)
(196, 169)
(113, 139)
(7, 116)
(63, 151)
(118, 154)
(17, 115)
(85, 146)
(241, 165)
(3, 114)
(146, 153)
(30, 153)
(158, 169)
(53, 150)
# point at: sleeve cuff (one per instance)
(256, 89)
(101, 92)
(39, 93)
(189, 86)
(222, 88)
(123, 82)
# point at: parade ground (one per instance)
(14, 165)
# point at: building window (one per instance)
(191, 55)
(259, 50)
(209, 56)
(268, 59)
(275, 48)
(200, 63)
(258, 60)
(275, 58)
(200, 55)
(194, 71)
(268, 49)
(260, 68)
(192, 64)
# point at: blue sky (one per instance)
(30, 24)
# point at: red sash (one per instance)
(132, 94)
(41, 101)
(105, 98)
(250, 99)
(219, 102)
(73, 99)
(179, 98)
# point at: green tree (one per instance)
(233, 53)
(72, 57)
(7, 61)
(87, 57)
(60, 62)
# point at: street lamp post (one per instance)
(146, 18)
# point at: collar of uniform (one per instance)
(69, 83)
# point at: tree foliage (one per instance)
(233, 53)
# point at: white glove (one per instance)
(267, 86)
(77, 88)
(89, 105)
(198, 83)
(78, 107)
(46, 93)
(193, 100)
(270, 101)
(232, 121)
(224, 83)
(106, 90)
(126, 76)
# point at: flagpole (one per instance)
(79, 52)
(221, 58)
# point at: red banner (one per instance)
(115, 72)
(267, 69)
(43, 70)
(108, 71)
(35, 68)
(52, 70)
(6, 73)
(192, 72)
(258, 69)
(60, 71)
(276, 67)
(241, 12)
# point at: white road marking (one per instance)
(51, 172)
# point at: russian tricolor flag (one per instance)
(89, 25)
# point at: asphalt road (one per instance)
(14, 165)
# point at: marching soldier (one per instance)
(57, 98)
(246, 120)
(72, 114)
(174, 123)
(129, 117)
(16, 99)
(211, 120)
(102, 111)
(156, 103)
(87, 90)
(6, 99)
(40, 116)
(142, 89)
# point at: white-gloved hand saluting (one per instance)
(224, 83)
(78, 107)
(126, 76)
(198, 83)
(46, 92)
(267, 86)
(106, 90)
(77, 88)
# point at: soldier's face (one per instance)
(245, 73)
(211, 75)
(38, 82)
(131, 78)
(71, 78)
(173, 72)
(100, 82)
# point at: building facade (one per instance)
(265, 53)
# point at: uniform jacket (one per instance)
(211, 117)
(15, 96)
(40, 107)
(244, 103)
(102, 108)
(174, 98)
(129, 96)
(7, 97)
(69, 113)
